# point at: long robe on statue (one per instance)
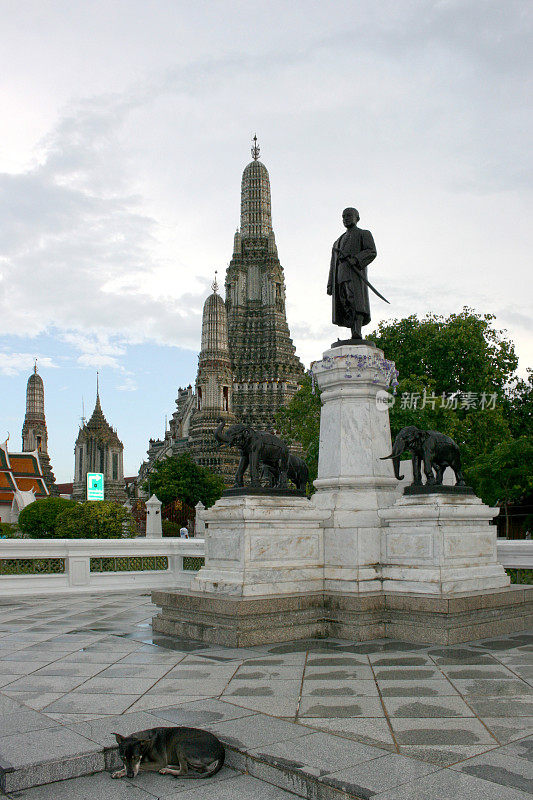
(358, 243)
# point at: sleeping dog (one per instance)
(183, 752)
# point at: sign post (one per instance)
(95, 486)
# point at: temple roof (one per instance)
(20, 472)
(98, 427)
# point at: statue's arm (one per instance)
(368, 251)
(331, 278)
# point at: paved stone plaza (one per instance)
(381, 718)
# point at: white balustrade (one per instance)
(73, 573)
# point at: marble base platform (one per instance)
(424, 619)
(439, 543)
(262, 545)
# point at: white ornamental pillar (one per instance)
(353, 483)
(199, 523)
(154, 529)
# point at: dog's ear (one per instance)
(118, 737)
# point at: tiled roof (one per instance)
(19, 472)
(24, 464)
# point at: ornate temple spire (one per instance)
(214, 325)
(34, 430)
(256, 215)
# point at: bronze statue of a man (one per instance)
(348, 282)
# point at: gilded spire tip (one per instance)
(35, 367)
(214, 285)
(255, 148)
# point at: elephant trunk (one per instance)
(397, 450)
(219, 434)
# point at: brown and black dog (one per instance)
(183, 752)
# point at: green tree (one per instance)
(95, 520)
(505, 474)
(459, 353)
(183, 479)
(39, 519)
(299, 421)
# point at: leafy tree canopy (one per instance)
(462, 352)
(95, 520)
(39, 519)
(183, 479)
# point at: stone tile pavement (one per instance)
(383, 718)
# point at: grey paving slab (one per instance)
(99, 703)
(255, 731)
(447, 784)
(46, 683)
(33, 747)
(507, 729)
(341, 674)
(242, 787)
(407, 674)
(149, 701)
(338, 688)
(101, 730)
(400, 660)
(278, 706)
(22, 721)
(36, 700)
(200, 712)
(520, 749)
(129, 686)
(320, 752)
(502, 768)
(372, 777)
(502, 707)
(493, 688)
(341, 707)
(251, 688)
(70, 669)
(427, 707)
(373, 731)
(143, 671)
(444, 755)
(89, 787)
(249, 672)
(286, 659)
(20, 667)
(478, 672)
(439, 731)
(180, 686)
(437, 688)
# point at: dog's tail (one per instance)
(215, 766)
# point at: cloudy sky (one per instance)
(124, 130)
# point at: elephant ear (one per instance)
(421, 436)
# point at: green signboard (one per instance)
(95, 486)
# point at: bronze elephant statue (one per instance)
(434, 450)
(256, 448)
(298, 473)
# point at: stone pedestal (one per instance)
(440, 543)
(353, 484)
(262, 545)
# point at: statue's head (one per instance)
(350, 216)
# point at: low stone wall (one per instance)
(49, 566)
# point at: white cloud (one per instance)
(13, 363)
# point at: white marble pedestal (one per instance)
(353, 484)
(440, 544)
(262, 545)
